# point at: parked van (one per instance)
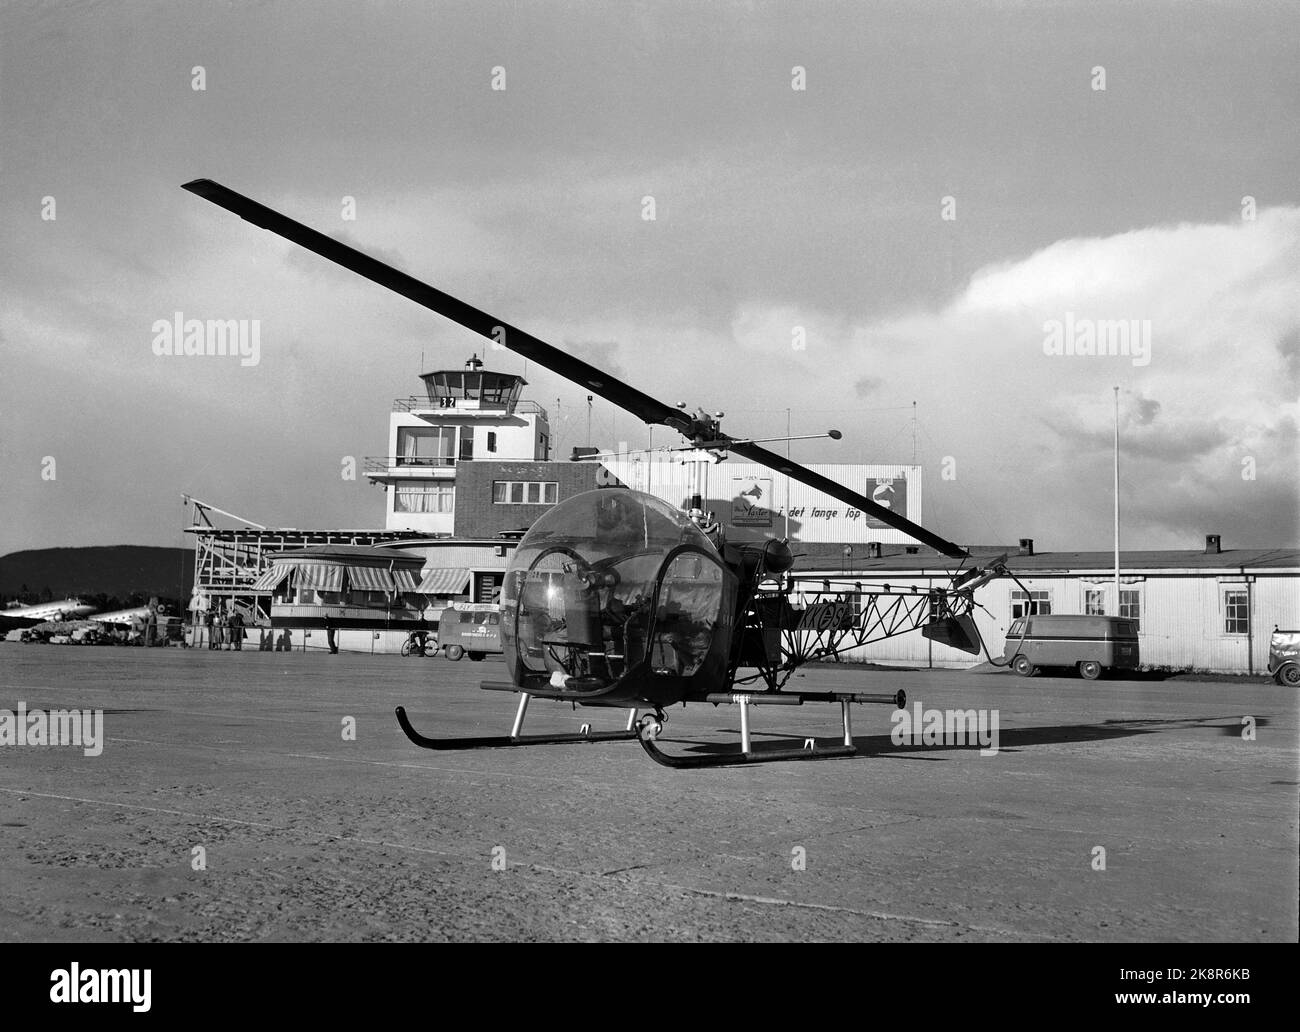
(1092, 644)
(470, 628)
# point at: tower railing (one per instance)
(421, 403)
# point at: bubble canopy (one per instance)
(615, 585)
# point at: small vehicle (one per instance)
(420, 643)
(470, 629)
(1091, 644)
(1284, 657)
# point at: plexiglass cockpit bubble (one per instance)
(610, 583)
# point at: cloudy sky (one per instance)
(1169, 199)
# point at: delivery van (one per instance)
(1090, 644)
(470, 629)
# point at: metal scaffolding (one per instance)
(228, 560)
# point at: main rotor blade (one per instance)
(634, 401)
(640, 405)
(826, 486)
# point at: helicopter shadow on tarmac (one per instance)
(1009, 739)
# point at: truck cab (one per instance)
(1284, 657)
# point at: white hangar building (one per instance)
(1211, 610)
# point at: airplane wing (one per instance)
(641, 405)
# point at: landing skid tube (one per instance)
(651, 728)
(732, 759)
(514, 738)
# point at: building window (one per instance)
(1130, 607)
(544, 442)
(1035, 603)
(492, 440)
(1236, 612)
(420, 447)
(487, 587)
(524, 492)
(426, 498)
(467, 446)
(1094, 602)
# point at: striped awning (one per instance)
(370, 578)
(270, 580)
(404, 581)
(318, 577)
(444, 582)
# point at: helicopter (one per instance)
(617, 599)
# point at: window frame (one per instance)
(1136, 605)
(1229, 606)
(1033, 600)
(445, 493)
(517, 492)
(439, 434)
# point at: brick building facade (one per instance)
(486, 493)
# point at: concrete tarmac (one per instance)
(229, 804)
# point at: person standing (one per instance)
(219, 628)
(207, 626)
(236, 627)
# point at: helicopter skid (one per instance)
(731, 759)
(652, 728)
(503, 741)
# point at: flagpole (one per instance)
(787, 478)
(1117, 605)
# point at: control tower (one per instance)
(465, 414)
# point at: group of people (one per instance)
(225, 630)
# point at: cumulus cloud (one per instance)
(1032, 431)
